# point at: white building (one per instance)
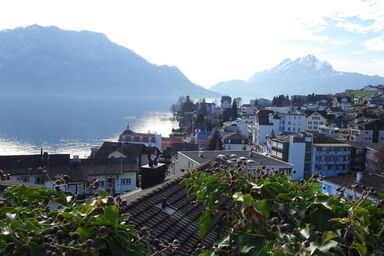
(345, 103)
(292, 122)
(314, 121)
(147, 139)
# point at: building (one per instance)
(345, 103)
(330, 157)
(202, 138)
(226, 102)
(371, 158)
(369, 131)
(240, 126)
(235, 141)
(252, 160)
(292, 122)
(353, 184)
(45, 169)
(263, 125)
(315, 119)
(147, 139)
(295, 149)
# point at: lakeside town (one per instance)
(338, 139)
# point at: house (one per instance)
(353, 184)
(34, 168)
(315, 119)
(147, 139)
(293, 148)
(251, 160)
(236, 141)
(292, 122)
(344, 102)
(226, 102)
(367, 130)
(371, 158)
(240, 126)
(202, 138)
(183, 147)
(330, 157)
(145, 159)
(247, 110)
(263, 125)
(44, 169)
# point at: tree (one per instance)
(234, 111)
(203, 108)
(173, 109)
(215, 142)
(187, 106)
(273, 215)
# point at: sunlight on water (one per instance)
(156, 122)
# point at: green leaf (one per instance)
(265, 251)
(262, 206)
(36, 249)
(248, 200)
(305, 232)
(205, 224)
(111, 214)
(361, 249)
(359, 212)
(327, 246)
(85, 233)
(328, 235)
(206, 253)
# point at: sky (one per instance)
(218, 40)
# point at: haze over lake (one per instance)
(64, 124)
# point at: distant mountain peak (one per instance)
(306, 64)
(303, 75)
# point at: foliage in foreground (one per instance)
(272, 215)
(37, 221)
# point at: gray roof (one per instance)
(179, 220)
(259, 159)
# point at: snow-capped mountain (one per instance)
(301, 76)
(49, 60)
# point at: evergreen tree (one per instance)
(234, 111)
(215, 142)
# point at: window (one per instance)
(39, 180)
(24, 178)
(126, 181)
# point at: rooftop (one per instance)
(375, 181)
(259, 159)
(178, 220)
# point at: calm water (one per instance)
(74, 124)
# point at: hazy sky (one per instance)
(212, 41)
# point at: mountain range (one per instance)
(304, 75)
(48, 60)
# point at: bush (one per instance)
(272, 215)
(38, 221)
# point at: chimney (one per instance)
(359, 177)
(164, 203)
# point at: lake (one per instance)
(64, 124)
